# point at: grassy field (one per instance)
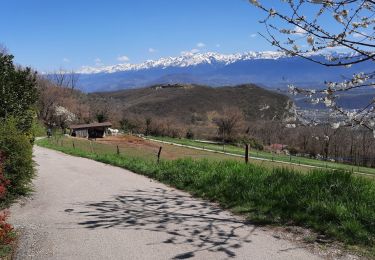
(138, 147)
(337, 204)
(266, 155)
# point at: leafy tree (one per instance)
(101, 116)
(128, 125)
(331, 24)
(18, 93)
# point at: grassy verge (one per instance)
(337, 204)
(266, 155)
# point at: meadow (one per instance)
(337, 204)
(267, 155)
(147, 149)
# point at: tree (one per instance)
(18, 93)
(228, 121)
(148, 122)
(63, 78)
(351, 29)
(63, 117)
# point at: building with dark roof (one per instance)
(94, 130)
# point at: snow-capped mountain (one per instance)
(269, 69)
(185, 60)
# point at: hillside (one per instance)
(191, 104)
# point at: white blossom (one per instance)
(335, 125)
(63, 112)
(328, 102)
(310, 40)
(254, 2)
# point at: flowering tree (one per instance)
(331, 24)
(63, 117)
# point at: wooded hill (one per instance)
(190, 104)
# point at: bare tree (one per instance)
(303, 36)
(63, 78)
(228, 121)
(73, 80)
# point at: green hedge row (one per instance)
(18, 164)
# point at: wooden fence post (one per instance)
(74, 145)
(159, 154)
(247, 153)
(118, 150)
(92, 148)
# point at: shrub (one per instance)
(7, 234)
(18, 165)
(6, 230)
(255, 144)
(4, 182)
(189, 134)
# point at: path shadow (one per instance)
(185, 220)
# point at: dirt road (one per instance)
(83, 209)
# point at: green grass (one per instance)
(337, 204)
(39, 129)
(266, 155)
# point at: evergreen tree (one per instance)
(18, 93)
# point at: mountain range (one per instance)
(269, 69)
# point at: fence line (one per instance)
(250, 157)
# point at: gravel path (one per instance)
(84, 209)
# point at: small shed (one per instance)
(94, 130)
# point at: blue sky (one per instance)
(48, 35)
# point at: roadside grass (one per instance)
(337, 204)
(266, 155)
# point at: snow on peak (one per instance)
(185, 60)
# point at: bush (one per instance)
(252, 142)
(7, 235)
(293, 150)
(38, 129)
(18, 165)
(189, 134)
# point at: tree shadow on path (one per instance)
(186, 220)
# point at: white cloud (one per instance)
(299, 31)
(201, 45)
(151, 50)
(98, 62)
(192, 51)
(123, 58)
(253, 35)
(66, 60)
